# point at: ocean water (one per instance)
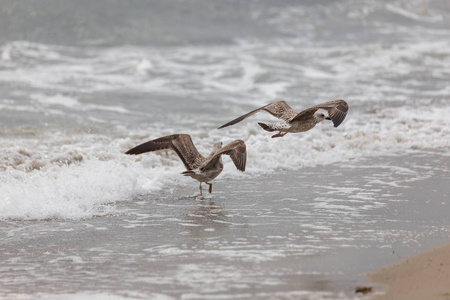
(82, 82)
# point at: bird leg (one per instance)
(210, 187)
(201, 189)
(279, 134)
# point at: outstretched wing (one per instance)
(181, 143)
(279, 109)
(237, 152)
(304, 115)
(337, 110)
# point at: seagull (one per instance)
(201, 168)
(293, 121)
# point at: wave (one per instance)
(251, 69)
(85, 175)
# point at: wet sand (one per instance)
(424, 276)
(310, 234)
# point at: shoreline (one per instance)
(422, 276)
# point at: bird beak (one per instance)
(328, 118)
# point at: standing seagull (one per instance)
(293, 121)
(201, 168)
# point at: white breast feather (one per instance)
(280, 125)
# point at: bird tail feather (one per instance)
(266, 127)
(188, 173)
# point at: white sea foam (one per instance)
(255, 71)
(70, 192)
(79, 180)
(76, 181)
(74, 104)
(43, 182)
(420, 13)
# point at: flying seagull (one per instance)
(293, 121)
(201, 168)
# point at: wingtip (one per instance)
(132, 151)
(224, 125)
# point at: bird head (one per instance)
(320, 116)
(217, 146)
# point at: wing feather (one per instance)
(304, 115)
(181, 143)
(337, 111)
(237, 152)
(279, 109)
(153, 145)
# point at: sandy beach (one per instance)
(424, 276)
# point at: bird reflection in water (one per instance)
(208, 218)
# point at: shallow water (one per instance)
(279, 236)
(104, 76)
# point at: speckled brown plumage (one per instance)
(293, 121)
(201, 168)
